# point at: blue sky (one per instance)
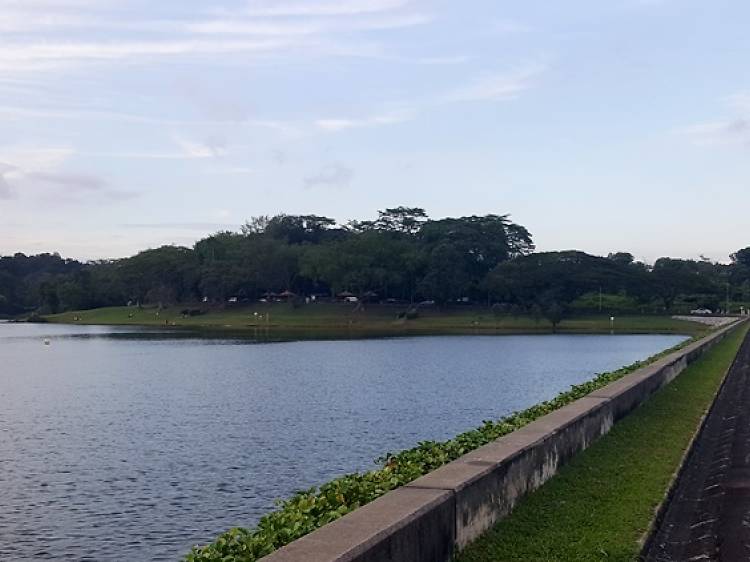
(603, 126)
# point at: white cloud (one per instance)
(235, 26)
(391, 22)
(509, 27)
(490, 87)
(249, 26)
(230, 171)
(188, 150)
(23, 16)
(497, 87)
(285, 130)
(17, 22)
(54, 4)
(731, 131)
(430, 61)
(24, 159)
(271, 8)
(39, 168)
(15, 57)
(143, 155)
(343, 124)
(43, 35)
(192, 149)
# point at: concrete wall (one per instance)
(425, 521)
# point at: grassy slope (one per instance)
(602, 503)
(374, 318)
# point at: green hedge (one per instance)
(311, 509)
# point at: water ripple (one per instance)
(135, 449)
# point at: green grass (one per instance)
(374, 319)
(602, 503)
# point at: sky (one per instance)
(601, 126)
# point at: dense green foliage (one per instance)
(402, 255)
(601, 504)
(311, 509)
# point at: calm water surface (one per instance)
(125, 445)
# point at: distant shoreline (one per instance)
(321, 320)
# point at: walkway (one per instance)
(708, 518)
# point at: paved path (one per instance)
(708, 518)
(715, 321)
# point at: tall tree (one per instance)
(406, 220)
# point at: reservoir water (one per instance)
(126, 444)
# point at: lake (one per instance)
(128, 444)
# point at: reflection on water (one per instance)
(131, 444)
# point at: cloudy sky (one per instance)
(617, 125)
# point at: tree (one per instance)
(675, 277)
(48, 300)
(444, 279)
(536, 312)
(564, 277)
(298, 229)
(477, 245)
(161, 275)
(255, 225)
(370, 261)
(401, 254)
(555, 314)
(623, 258)
(742, 257)
(406, 220)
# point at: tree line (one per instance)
(402, 255)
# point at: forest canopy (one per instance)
(402, 255)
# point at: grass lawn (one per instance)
(601, 504)
(375, 319)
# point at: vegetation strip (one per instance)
(599, 506)
(331, 320)
(311, 509)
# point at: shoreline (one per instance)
(326, 322)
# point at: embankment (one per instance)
(429, 518)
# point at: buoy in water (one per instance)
(46, 341)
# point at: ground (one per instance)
(321, 318)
